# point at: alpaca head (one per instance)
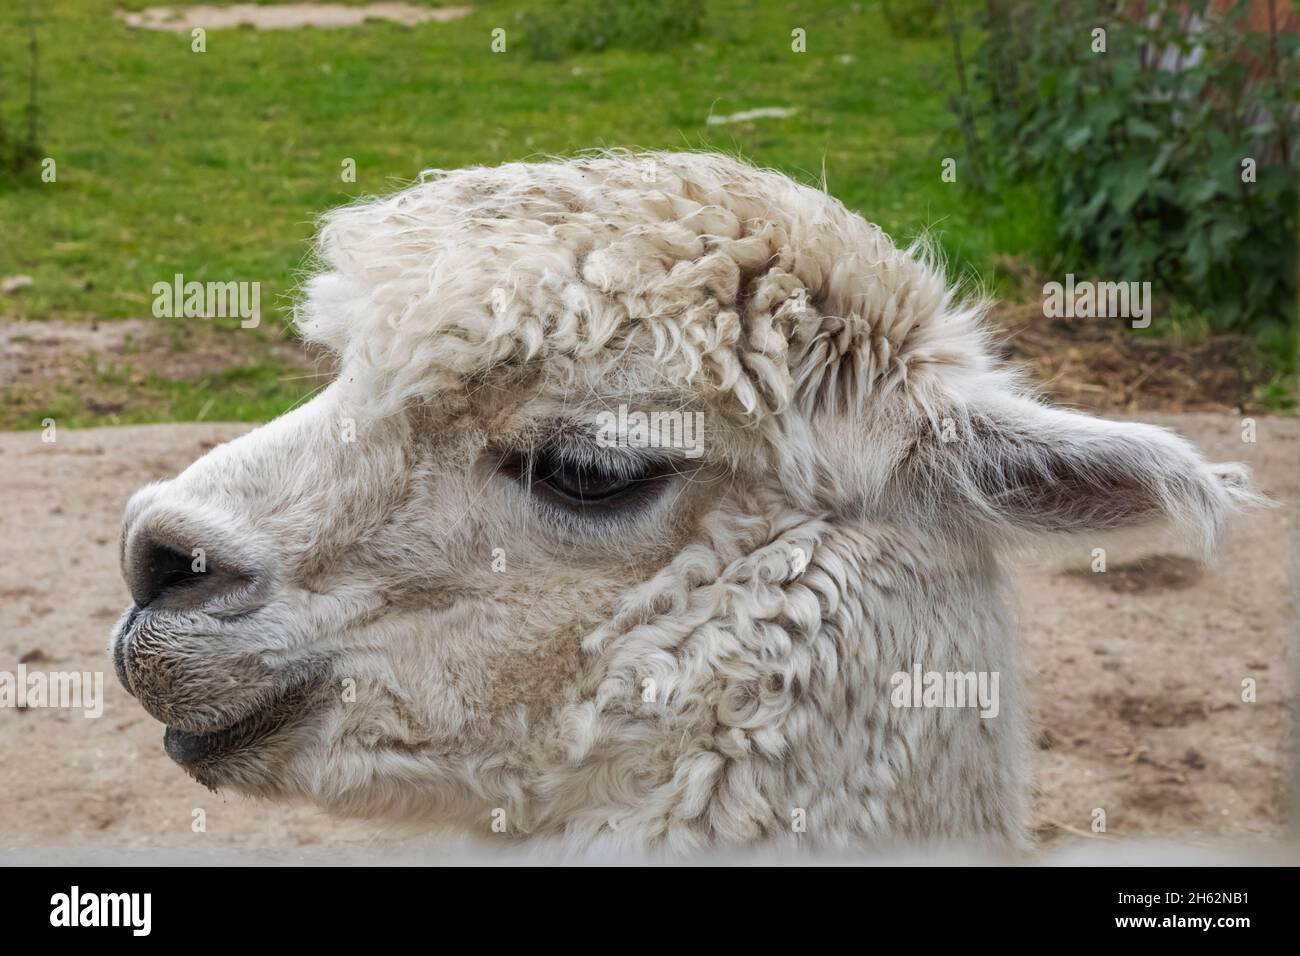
(639, 476)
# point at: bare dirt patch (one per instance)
(1142, 711)
(1135, 694)
(107, 364)
(1136, 686)
(284, 16)
(1157, 572)
(1100, 364)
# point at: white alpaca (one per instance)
(435, 592)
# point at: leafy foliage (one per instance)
(1144, 148)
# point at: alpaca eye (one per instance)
(581, 483)
(585, 483)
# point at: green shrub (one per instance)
(577, 26)
(1144, 166)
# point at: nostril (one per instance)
(160, 573)
(166, 570)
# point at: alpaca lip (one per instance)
(121, 639)
(198, 751)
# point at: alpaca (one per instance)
(466, 584)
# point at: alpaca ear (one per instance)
(1028, 469)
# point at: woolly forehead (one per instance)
(622, 409)
(723, 285)
(526, 294)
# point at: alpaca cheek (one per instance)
(533, 678)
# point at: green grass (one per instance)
(241, 393)
(215, 165)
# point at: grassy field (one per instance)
(215, 164)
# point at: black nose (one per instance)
(159, 573)
(165, 569)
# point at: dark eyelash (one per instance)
(641, 479)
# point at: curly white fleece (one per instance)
(736, 278)
(872, 461)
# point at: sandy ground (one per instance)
(1135, 675)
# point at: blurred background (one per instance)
(1120, 163)
(1032, 140)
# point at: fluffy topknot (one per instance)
(731, 279)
